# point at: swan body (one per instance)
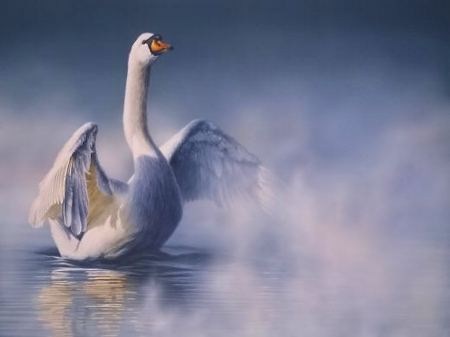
(91, 215)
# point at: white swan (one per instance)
(92, 215)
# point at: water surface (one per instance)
(204, 292)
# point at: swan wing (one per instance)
(76, 188)
(209, 164)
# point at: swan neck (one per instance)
(135, 114)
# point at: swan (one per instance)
(94, 216)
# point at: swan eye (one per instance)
(152, 38)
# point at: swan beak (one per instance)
(159, 47)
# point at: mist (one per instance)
(349, 107)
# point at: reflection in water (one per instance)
(108, 292)
(96, 303)
(96, 300)
(54, 302)
(198, 294)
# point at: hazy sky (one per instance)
(82, 45)
(297, 82)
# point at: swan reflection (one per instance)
(93, 306)
(78, 300)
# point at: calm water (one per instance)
(202, 292)
(172, 293)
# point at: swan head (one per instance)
(147, 49)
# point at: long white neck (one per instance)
(134, 111)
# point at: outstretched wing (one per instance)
(208, 163)
(76, 188)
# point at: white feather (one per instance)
(91, 215)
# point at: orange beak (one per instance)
(160, 47)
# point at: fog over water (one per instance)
(348, 105)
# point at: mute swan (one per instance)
(92, 215)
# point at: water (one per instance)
(378, 290)
(99, 299)
(169, 293)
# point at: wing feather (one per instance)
(69, 190)
(210, 164)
